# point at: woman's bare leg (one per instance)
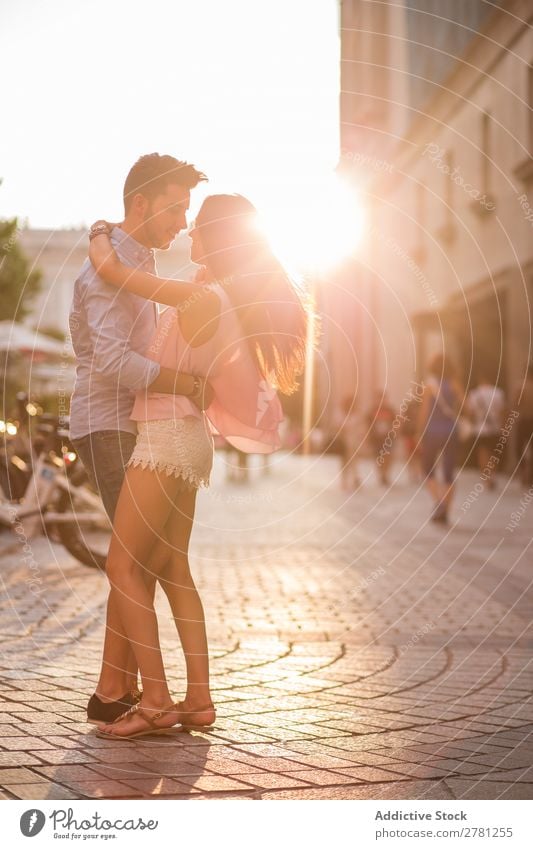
(145, 502)
(187, 609)
(118, 674)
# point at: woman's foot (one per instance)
(196, 714)
(142, 720)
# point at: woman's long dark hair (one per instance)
(272, 310)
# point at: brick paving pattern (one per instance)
(358, 652)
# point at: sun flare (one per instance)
(316, 229)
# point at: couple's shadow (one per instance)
(158, 766)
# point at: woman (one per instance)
(439, 411)
(244, 331)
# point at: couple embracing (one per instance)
(152, 387)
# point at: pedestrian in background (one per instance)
(350, 435)
(486, 407)
(437, 429)
(379, 421)
(410, 444)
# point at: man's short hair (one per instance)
(152, 173)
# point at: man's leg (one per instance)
(104, 455)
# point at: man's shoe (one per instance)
(100, 713)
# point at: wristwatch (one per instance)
(197, 387)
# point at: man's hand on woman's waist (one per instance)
(170, 382)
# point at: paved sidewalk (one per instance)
(358, 651)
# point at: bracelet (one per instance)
(99, 228)
(197, 387)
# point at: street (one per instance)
(358, 651)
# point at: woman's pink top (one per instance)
(246, 409)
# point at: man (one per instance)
(111, 331)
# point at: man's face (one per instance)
(165, 216)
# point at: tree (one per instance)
(18, 283)
(52, 332)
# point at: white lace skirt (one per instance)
(179, 447)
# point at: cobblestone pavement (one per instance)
(358, 651)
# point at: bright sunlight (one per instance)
(316, 229)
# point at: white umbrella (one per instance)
(16, 337)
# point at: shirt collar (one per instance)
(130, 246)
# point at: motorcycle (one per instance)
(44, 486)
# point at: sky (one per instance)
(246, 90)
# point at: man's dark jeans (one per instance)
(104, 454)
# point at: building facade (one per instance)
(437, 132)
(60, 254)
